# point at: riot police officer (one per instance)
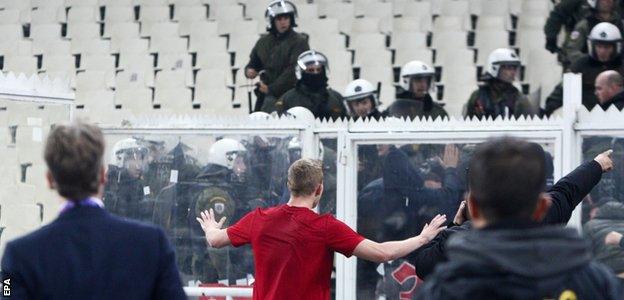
(497, 96)
(414, 99)
(311, 90)
(360, 100)
(275, 54)
(604, 45)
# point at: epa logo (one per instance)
(6, 287)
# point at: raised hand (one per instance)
(433, 228)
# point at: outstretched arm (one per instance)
(215, 235)
(383, 252)
(570, 190)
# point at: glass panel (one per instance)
(603, 209)
(400, 188)
(328, 150)
(167, 179)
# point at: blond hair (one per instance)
(304, 176)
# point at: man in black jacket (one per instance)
(510, 255)
(610, 89)
(87, 253)
(566, 194)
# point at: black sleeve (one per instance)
(168, 284)
(427, 257)
(562, 14)
(554, 100)
(570, 190)
(254, 60)
(622, 243)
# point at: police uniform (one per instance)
(575, 45)
(325, 103)
(277, 54)
(408, 106)
(495, 98)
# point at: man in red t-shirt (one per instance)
(294, 246)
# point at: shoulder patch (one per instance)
(575, 35)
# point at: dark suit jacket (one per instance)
(87, 253)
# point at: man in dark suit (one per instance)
(87, 253)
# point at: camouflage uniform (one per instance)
(325, 103)
(493, 98)
(575, 45)
(407, 106)
(276, 54)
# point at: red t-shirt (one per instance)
(293, 250)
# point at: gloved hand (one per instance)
(551, 44)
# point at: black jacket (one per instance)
(617, 101)
(516, 260)
(566, 194)
(87, 253)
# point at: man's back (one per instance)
(89, 254)
(293, 248)
(520, 262)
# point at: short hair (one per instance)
(73, 154)
(304, 175)
(506, 176)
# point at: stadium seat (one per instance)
(447, 56)
(499, 8)
(449, 39)
(20, 64)
(51, 47)
(454, 7)
(328, 42)
(120, 31)
(45, 32)
(93, 46)
(226, 12)
(307, 11)
(118, 14)
(450, 23)
(527, 22)
(493, 23)
(240, 27)
(82, 15)
(94, 80)
(153, 14)
(412, 24)
(216, 60)
(382, 10)
(176, 99)
(15, 4)
(59, 63)
(113, 3)
(528, 40)
(402, 56)
(366, 25)
(453, 74)
(488, 41)
(134, 99)
(367, 40)
(536, 7)
(182, 3)
(168, 45)
(186, 16)
(133, 61)
(98, 62)
(82, 31)
(46, 3)
(47, 15)
(171, 79)
(408, 41)
(131, 46)
(341, 70)
(81, 3)
(11, 33)
(9, 16)
(174, 61)
(315, 27)
(150, 2)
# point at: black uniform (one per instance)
(520, 260)
(323, 102)
(566, 194)
(589, 68)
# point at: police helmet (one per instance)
(501, 57)
(415, 69)
(280, 7)
(309, 58)
(360, 89)
(604, 32)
